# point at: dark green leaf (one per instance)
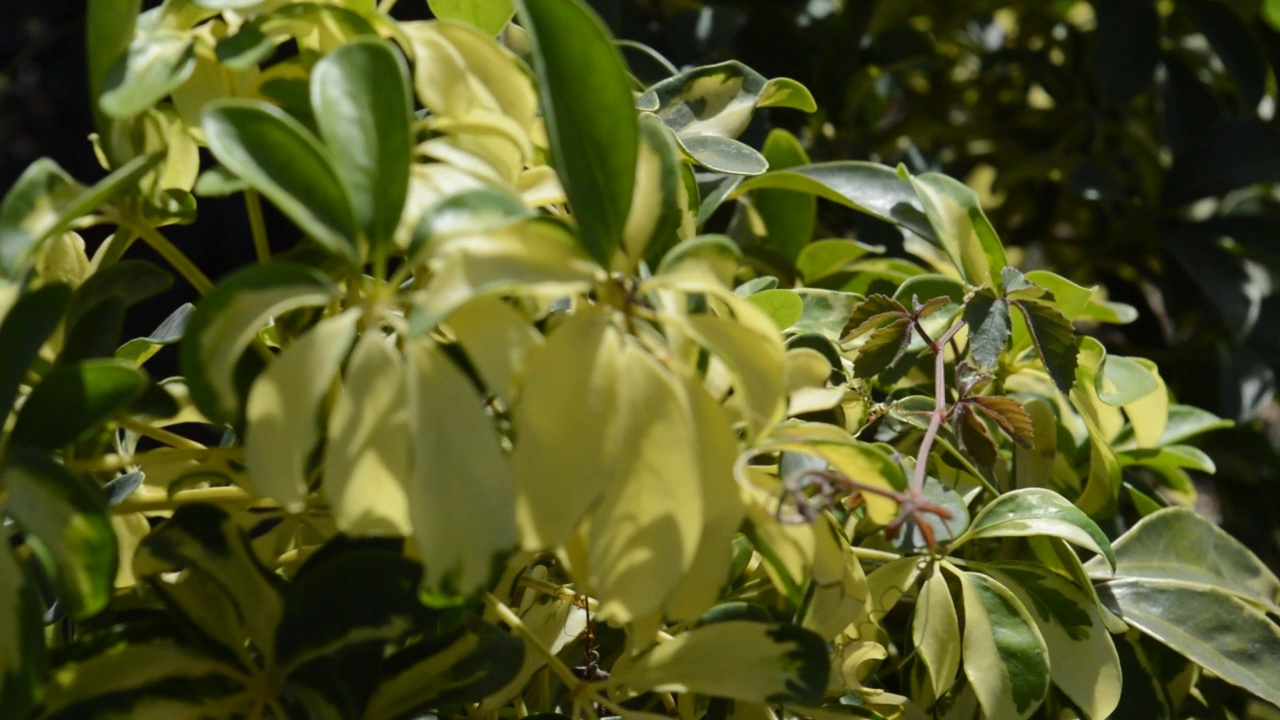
(874, 312)
(593, 134)
(227, 320)
(788, 215)
(1126, 49)
(1037, 511)
(1009, 415)
(280, 158)
(989, 327)
(74, 400)
(65, 519)
(151, 67)
(1235, 287)
(356, 599)
(1222, 633)
(724, 155)
(1053, 338)
(131, 280)
(719, 99)
(22, 333)
(867, 187)
(714, 199)
(22, 653)
(360, 95)
(1005, 657)
(465, 665)
(884, 348)
(204, 540)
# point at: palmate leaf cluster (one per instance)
(509, 432)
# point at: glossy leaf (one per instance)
(462, 666)
(719, 99)
(1082, 658)
(656, 211)
(1178, 546)
(22, 652)
(280, 158)
(737, 659)
(227, 320)
(368, 455)
(867, 187)
(360, 95)
(724, 155)
(594, 137)
(1036, 511)
(788, 216)
(821, 258)
(151, 68)
(461, 489)
(911, 539)
(934, 631)
(74, 400)
(66, 525)
(961, 227)
(1005, 657)
(282, 413)
(488, 16)
(1220, 632)
(23, 331)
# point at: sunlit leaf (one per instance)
(1036, 511)
(821, 258)
(65, 520)
(655, 213)
(825, 311)
(282, 413)
(788, 216)
(714, 99)
(1122, 380)
(885, 347)
(593, 135)
(152, 66)
(784, 307)
(961, 226)
(461, 491)
(499, 340)
(737, 659)
(755, 359)
(1005, 657)
(488, 16)
(227, 320)
(367, 457)
(724, 155)
(109, 28)
(934, 631)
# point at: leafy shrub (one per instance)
(503, 434)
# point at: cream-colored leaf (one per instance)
(567, 429)
(755, 359)
(886, 586)
(366, 461)
(461, 493)
(646, 529)
(282, 414)
(62, 260)
(503, 75)
(935, 629)
(1150, 415)
(1033, 466)
(717, 450)
(498, 340)
(129, 528)
(839, 585)
(540, 187)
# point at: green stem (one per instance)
(253, 204)
(881, 556)
(175, 257)
(225, 496)
(117, 244)
(162, 435)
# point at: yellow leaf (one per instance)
(282, 414)
(461, 493)
(498, 340)
(1149, 415)
(366, 460)
(567, 430)
(840, 587)
(755, 359)
(646, 529)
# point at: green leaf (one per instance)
(1123, 381)
(66, 524)
(489, 16)
(1053, 338)
(736, 659)
(724, 155)
(74, 399)
(170, 331)
(756, 361)
(23, 331)
(207, 542)
(1220, 632)
(719, 99)
(281, 159)
(934, 630)
(470, 212)
(22, 653)
(825, 311)
(1178, 546)
(1005, 657)
(866, 187)
(462, 666)
(1082, 658)
(1036, 511)
(784, 307)
(989, 327)
(1176, 456)
(788, 215)
(461, 490)
(97, 309)
(227, 320)
(359, 598)
(885, 347)
(961, 227)
(45, 200)
(109, 28)
(1187, 421)
(360, 95)
(659, 202)
(875, 312)
(282, 413)
(821, 258)
(128, 669)
(594, 136)
(788, 93)
(152, 67)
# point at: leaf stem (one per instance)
(253, 204)
(175, 257)
(228, 495)
(508, 616)
(116, 246)
(160, 434)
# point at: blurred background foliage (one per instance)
(1132, 143)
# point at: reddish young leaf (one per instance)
(1009, 415)
(973, 437)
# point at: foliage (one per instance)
(506, 433)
